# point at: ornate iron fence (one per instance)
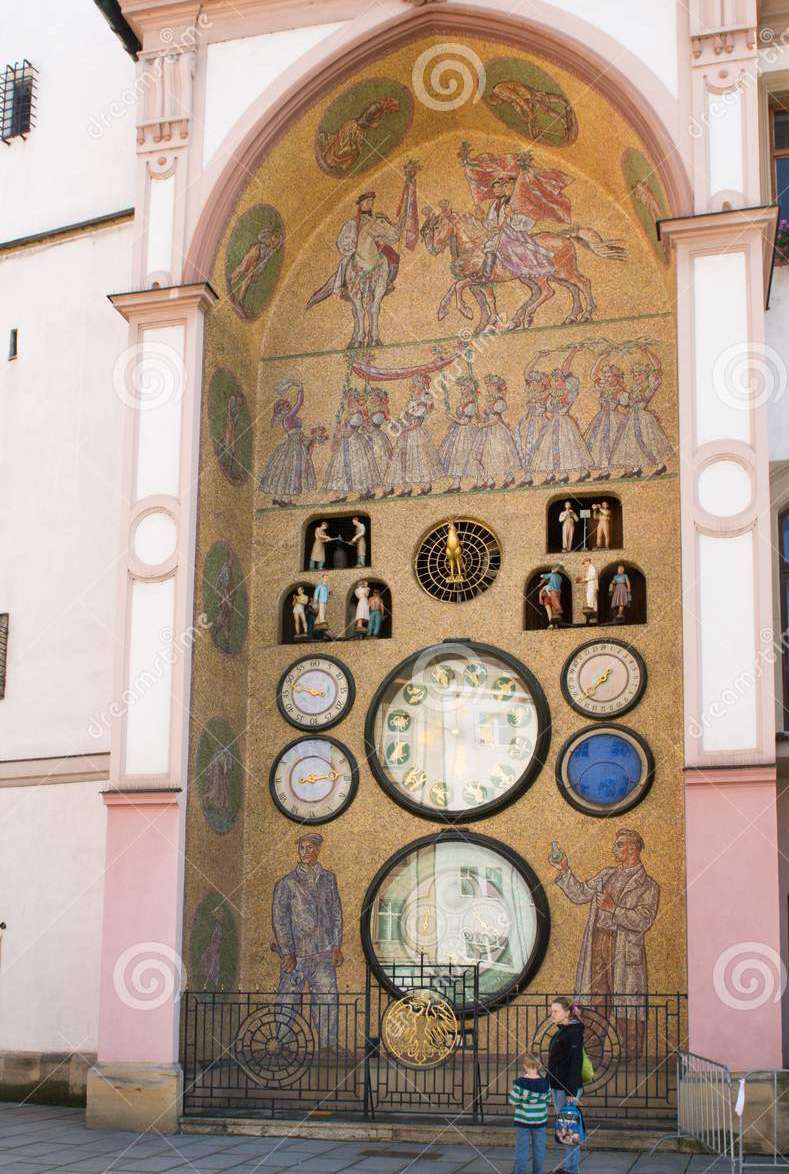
(374, 1053)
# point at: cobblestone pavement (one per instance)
(42, 1138)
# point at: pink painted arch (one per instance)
(580, 48)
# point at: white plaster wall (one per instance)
(60, 452)
(238, 71)
(52, 843)
(647, 29)
(777, 365)
(78, 161)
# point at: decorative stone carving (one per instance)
(165, 103)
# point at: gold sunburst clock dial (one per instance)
(604, 678)
(313, 780)
(456, 561)
(315, 693)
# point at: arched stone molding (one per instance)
(580, 48)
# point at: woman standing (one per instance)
(460, 449)
(565, 1059)
(499, 455)
(289, 471)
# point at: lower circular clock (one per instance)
(604, 770)
(314, 780)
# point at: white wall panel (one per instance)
(727, 642)
(721, 347)
(149, 681)
(52, 842)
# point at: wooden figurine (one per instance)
(376, 606)
(568, 518)
(362, 617)
(359, 540)
(550, 596)
(620, 594)
(602, 513)
(320, 597)
(300, 600)
(589, 579)
(319, 540)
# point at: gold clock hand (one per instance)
(601, 680)
(312, 692)
(332, 777)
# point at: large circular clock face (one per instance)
(314, 779)
(457, 731)
(315, 693)
(454, 900)
(604, 678)
(605, 770)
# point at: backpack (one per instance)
(587, 1069)
(569, 1128)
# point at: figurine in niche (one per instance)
(320, 598)
(550, 596)
(602, 514)
(590, 582)
(319, 540)
(620, 594)
(499, 453)
(568, 518)
(300, 601)
(359, 540)
(362, 618)
(377, 612)
(312, 612)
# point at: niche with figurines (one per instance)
(337, 542)
(369, 610)
(548, 599)
(623, 594)
(583, 523)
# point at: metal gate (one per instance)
(418, 1045)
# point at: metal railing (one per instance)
(705, 1111)
(256, 1053)
(767, 1127)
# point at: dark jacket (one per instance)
(565, 1057)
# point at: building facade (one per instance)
(447, 340)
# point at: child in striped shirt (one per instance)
(531, 1095)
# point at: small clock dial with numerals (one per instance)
(315, 693)
(604, 678)
(313, 780)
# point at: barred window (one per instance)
(17, 100)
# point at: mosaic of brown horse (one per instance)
(465, 238)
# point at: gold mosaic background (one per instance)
(634, 301)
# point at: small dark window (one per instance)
(779, 151)
(13, 344)
(783, 565)
(17, 100)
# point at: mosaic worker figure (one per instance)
(623, 902)
(460, 449)
(414, 460)
(609, 384)
(289, 471)
(306, 916)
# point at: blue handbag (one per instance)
(569, 1128)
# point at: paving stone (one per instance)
(662, 1164)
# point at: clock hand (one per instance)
(312, 692)
(332, 777)
(601, 680)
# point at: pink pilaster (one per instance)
(734, 974)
